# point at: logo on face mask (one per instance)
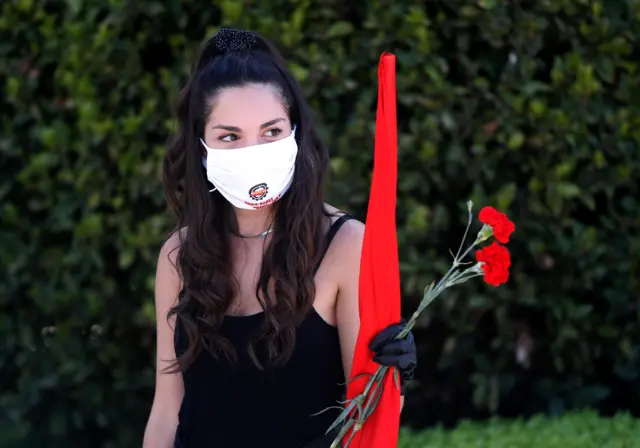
(258, 192)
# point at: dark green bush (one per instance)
(532, 107)
(576, 430)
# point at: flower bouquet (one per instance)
(492, 262)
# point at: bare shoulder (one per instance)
(349, 239)
(346, 247)
(168, 278)
(170, 248)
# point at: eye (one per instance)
(274, 132)
(228, 138)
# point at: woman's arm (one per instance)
(163, 419)
(349, 243)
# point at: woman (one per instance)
(260, 279)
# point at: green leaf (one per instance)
(515, 140)
(340, 29)
(568, 190)
(506, 195)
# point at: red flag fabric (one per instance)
(379, 283)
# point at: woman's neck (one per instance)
(254, 222)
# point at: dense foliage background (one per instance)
(531, 106)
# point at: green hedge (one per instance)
(576, 430)
(531, 107)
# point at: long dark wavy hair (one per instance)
(205, 220)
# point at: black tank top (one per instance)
(239, 406)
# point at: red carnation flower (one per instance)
(499, 222)
(496, 261)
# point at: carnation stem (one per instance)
(464, 237)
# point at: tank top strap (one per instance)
(331, 233)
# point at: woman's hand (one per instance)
(398, 353)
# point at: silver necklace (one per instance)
(265, 233)
(259, 235)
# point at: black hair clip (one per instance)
(231, 39)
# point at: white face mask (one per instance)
(255, 176)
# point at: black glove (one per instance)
(398, 353)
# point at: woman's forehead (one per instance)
(247, 106)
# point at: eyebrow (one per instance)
(237, 129)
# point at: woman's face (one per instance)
(253, 114)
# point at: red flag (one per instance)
(379, 296)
